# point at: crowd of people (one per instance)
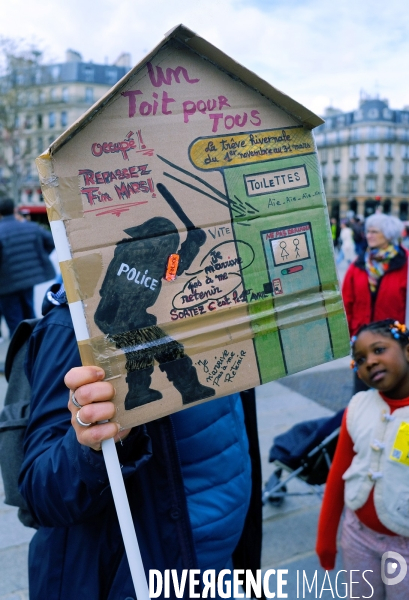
(193, 479)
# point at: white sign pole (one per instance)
(116, 480)
(125, 519)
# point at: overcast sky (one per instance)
(320, 52)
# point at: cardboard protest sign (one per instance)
(190, 222)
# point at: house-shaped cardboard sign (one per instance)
(191, 226)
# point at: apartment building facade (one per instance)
(49, 99)
(364, 157)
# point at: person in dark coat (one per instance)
(193, 479)
(24, 262)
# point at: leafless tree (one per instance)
(18, 62)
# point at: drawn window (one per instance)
(289, 249)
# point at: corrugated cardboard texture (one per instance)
(184, 158)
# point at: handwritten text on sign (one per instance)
(224, 151)
(276, 181)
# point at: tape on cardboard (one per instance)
(81, 276)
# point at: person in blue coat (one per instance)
(193, 479)
(24, 262)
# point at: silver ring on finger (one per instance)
(75, 401)
(81, 422)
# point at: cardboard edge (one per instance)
(205, 49)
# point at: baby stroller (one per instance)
(304, 451)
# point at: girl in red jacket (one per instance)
(370, 471)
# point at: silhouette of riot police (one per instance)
(132, 284)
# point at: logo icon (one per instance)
(389, 566)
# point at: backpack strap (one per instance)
(20, 336)
(14, 418)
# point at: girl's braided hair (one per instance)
(387, 327)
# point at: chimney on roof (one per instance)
(72, 56)
(123, 60)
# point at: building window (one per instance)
(53, 94)
(64, 118)
(40, 146)
(65, 94)
(39, 121)
(111, 75)
(388, 167)
(371, 166)
(337, 153)
(370, 185)
(354, 151)
(55, 72)
(50, 140)
(353, 186)
(405, 186)
(28, 146)
(89, 94)
(388, 150)
(405, 151)
(335, 186)
(51, 119)
(29, 122)
(373, 131)
(372, 149)
(336, 169)
(324, 155)
(89, 73)
(324, 170)
(353, 167)
(405, 168)
(388, 185)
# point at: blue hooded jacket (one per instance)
(78, 551)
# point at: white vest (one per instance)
(381, 444)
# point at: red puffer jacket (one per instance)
(389, 300)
